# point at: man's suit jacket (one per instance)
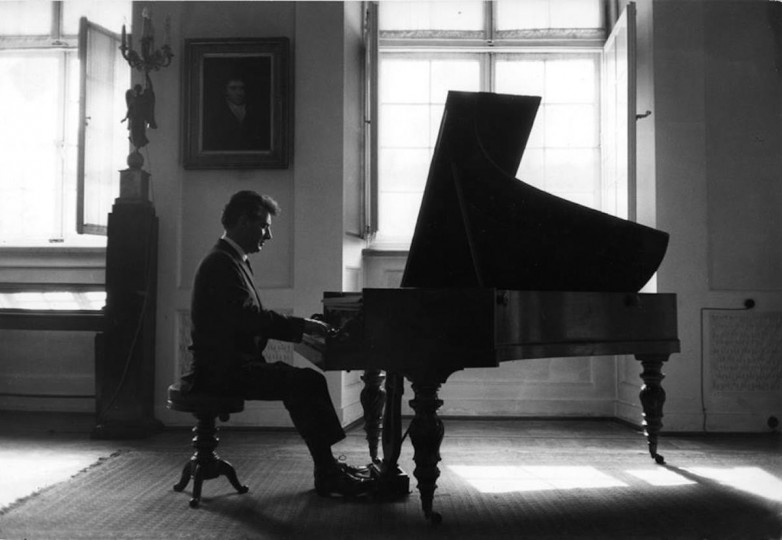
(230, 327)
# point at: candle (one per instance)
(168, 31)
(145, 26)
(123, 36)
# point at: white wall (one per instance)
(717, 149)
(303, 259)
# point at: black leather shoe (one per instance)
(337, 481)
(358, 472)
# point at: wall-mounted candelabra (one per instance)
(141, 99)
(149, 59)
(134, 182)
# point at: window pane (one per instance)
(545, 14)
(31, 140)
(576, 13)
(25, 18)
(404, 126)
(431, 15)
(532, 168)
(404, 81)
(448, 75)
(408, 167)
(572, 126)
(398, 215)
(110, 15)
(537, 138)
(435, 119)
(572, 171)
(412, 98)
(584, 199)
(571, 80)
(515, 15)
(562, 155)
(519, 76)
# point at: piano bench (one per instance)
(205, 464)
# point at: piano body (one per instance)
(497, 271)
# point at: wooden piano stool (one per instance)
(205, 464)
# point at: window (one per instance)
(39, 111)
(548, 48)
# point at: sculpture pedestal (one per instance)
(125, 351)
(133, 186)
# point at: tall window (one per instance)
(39, 112)
(547, 48)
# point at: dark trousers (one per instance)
(304, 393)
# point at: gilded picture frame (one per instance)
(237, 103)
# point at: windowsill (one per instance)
(385, 251)
(51, 249)
(52, 267)
(72, 320)
(51, 300)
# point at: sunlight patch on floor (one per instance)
(24, 475)
(507, 479)
(752, 480)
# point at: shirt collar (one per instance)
(239, 250)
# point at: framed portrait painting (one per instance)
(237, 100)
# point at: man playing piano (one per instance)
(230, 329)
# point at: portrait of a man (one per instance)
(237, 105)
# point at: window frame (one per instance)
(88, 177)
(65, 233)
(488, 44)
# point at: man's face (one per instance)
(235, 92)
(256, 231)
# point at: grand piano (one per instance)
(497, 271)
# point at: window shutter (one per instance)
(103, 142)
(618, 133)
(371, 119)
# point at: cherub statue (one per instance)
(141, 113)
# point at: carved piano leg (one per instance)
(373, 399)
(652, 400)
(391, 482)
(426, 433)
(392, 421)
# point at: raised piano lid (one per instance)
(480, 227)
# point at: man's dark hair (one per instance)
(234, 77)
(247, 203)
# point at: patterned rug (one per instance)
(489, 488)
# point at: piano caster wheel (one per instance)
(194, 503)
(435, 517)
(659, 459)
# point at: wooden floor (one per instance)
(535, 478)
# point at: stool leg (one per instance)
(185, 478)
(198, 479)
(227, 470)
(205, 463)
